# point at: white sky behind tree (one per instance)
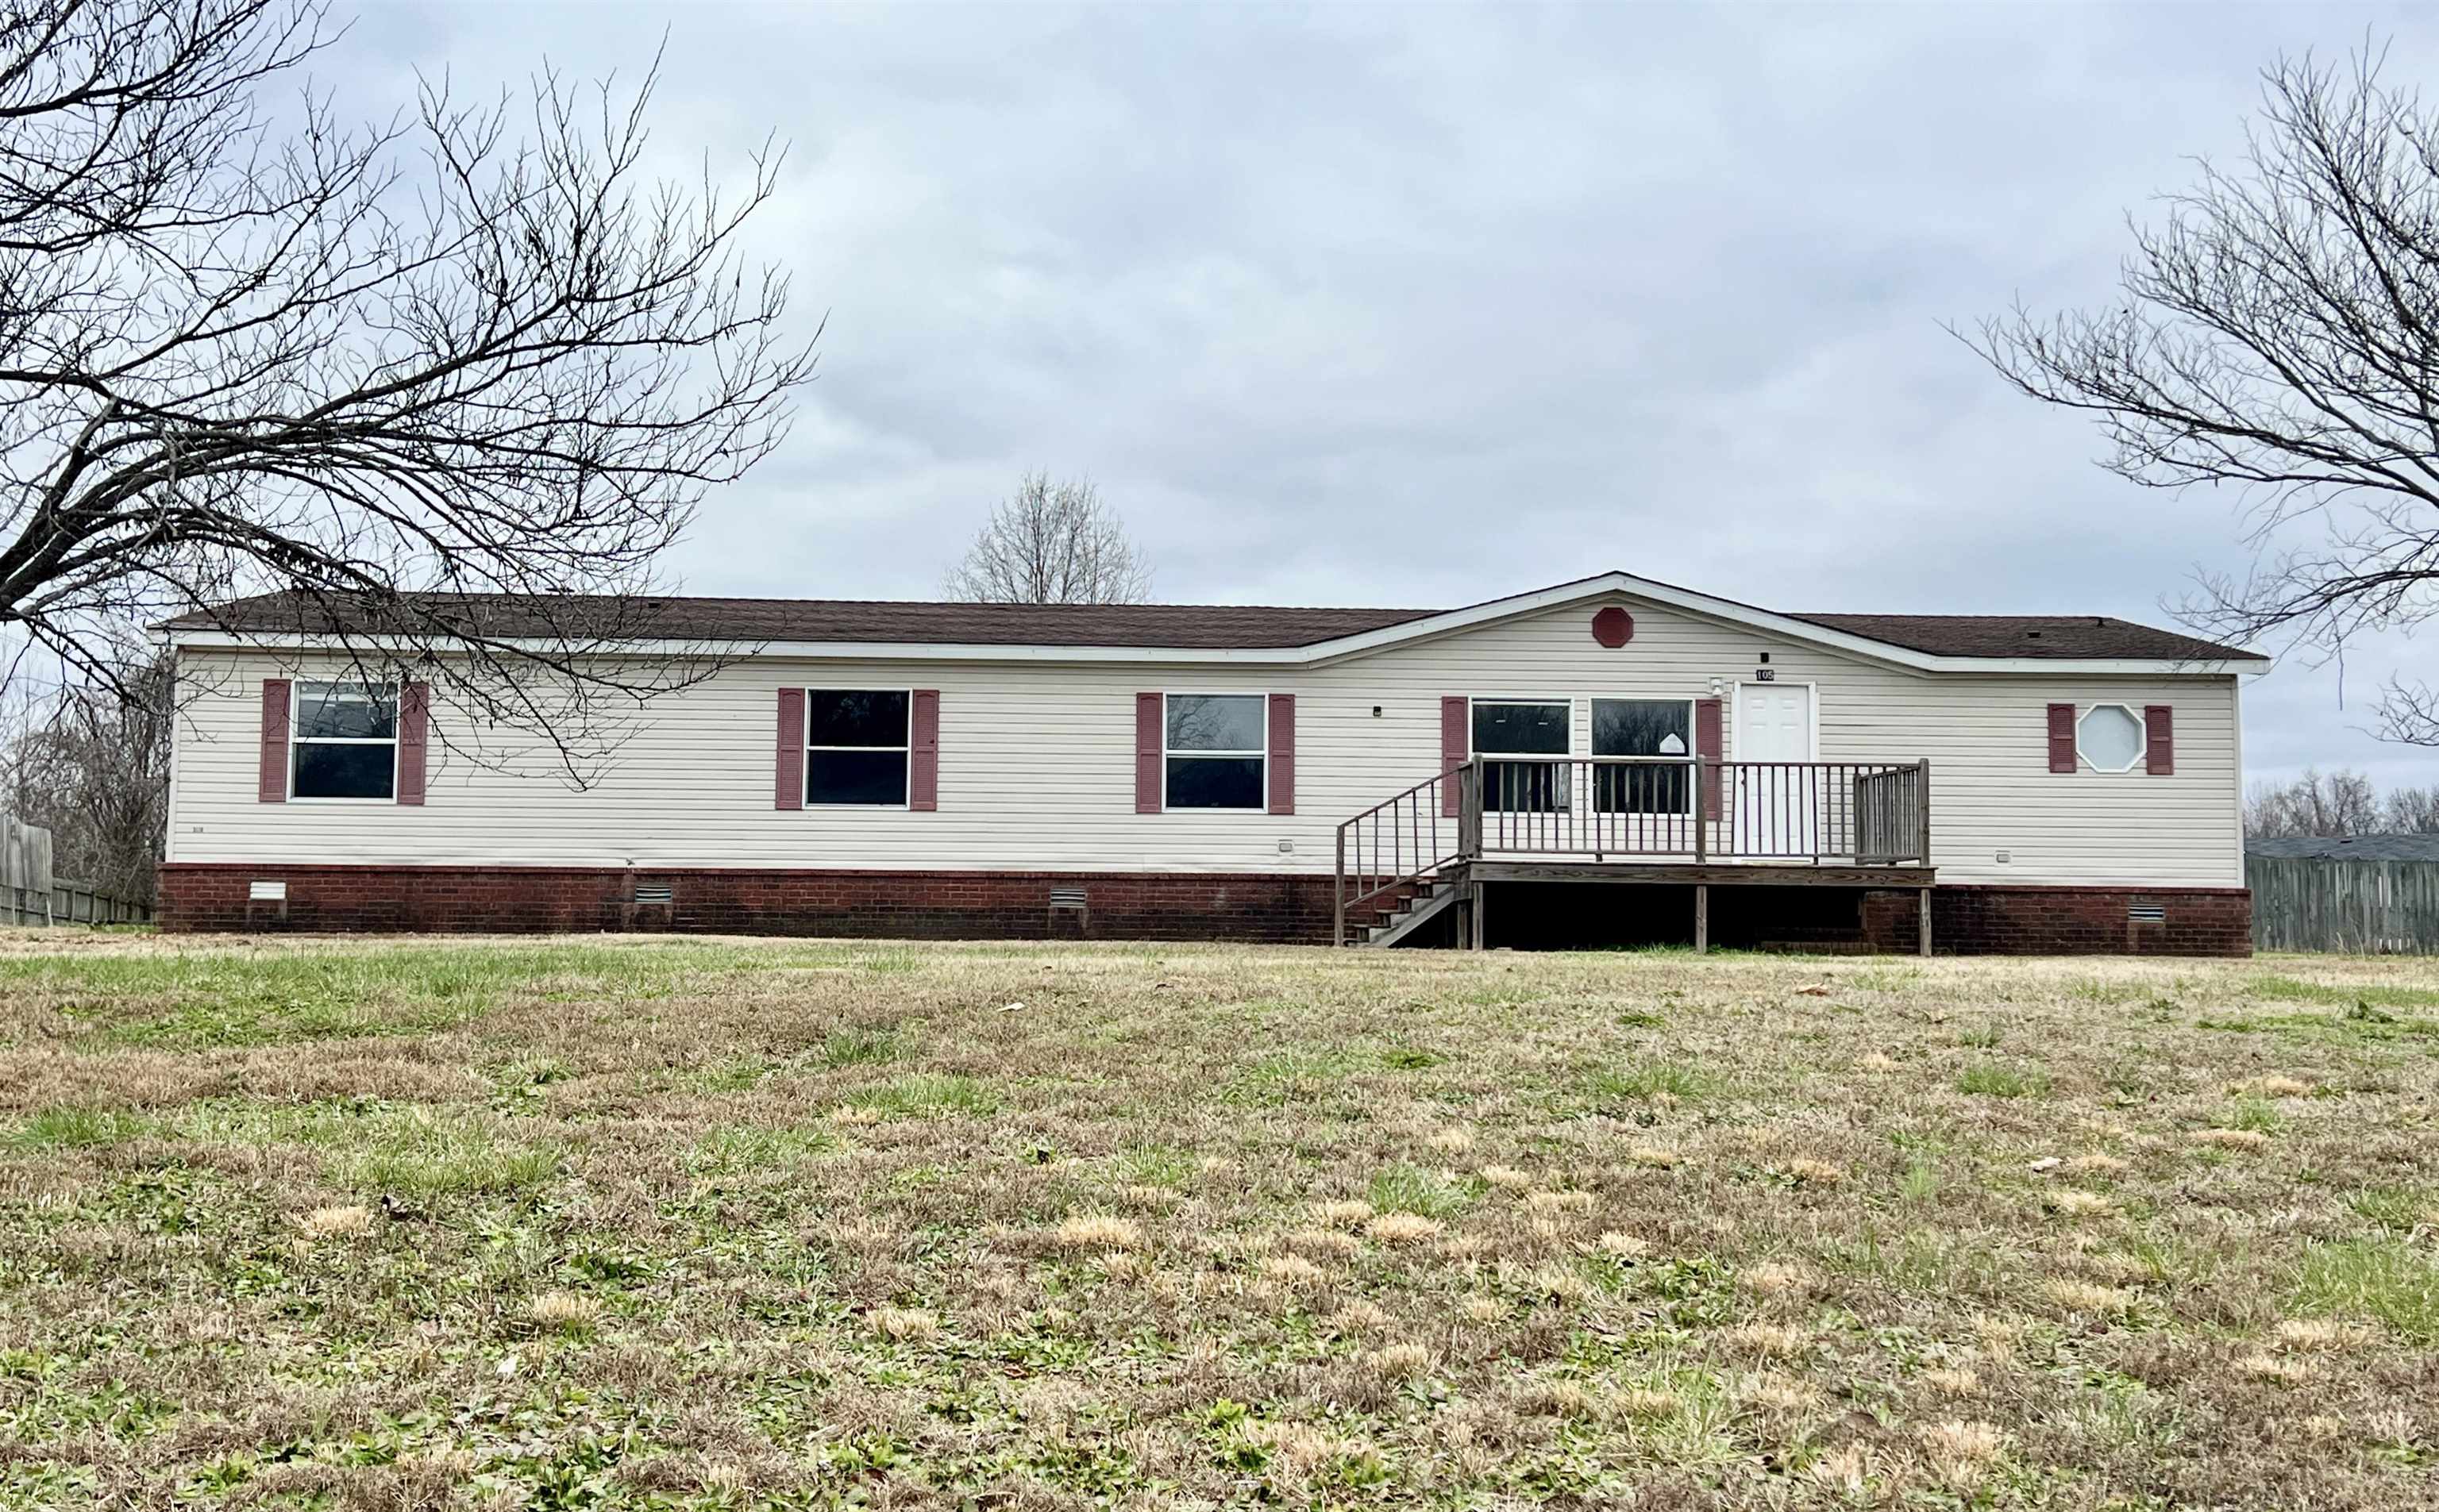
(1419, 306)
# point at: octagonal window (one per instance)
(2110, 737)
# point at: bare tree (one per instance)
(2413, 812)
(1052, 544)
(2334, 803)
(400, 375)
(91, 764)
(2279, 333)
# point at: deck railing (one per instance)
(1402, 842)
(1634, 808)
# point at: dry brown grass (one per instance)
(739, 1224)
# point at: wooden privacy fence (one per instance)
(29, 893)
(2357, 905)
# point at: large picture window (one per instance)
(856, 743)
(1215, 752)
(1519, 728)
(1641, 727)
(343, 742)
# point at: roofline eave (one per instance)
(1337, 649)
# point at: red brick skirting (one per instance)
(1270, 908)
(2067, 920)
(912, 905)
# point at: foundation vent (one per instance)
(2146, 913)
(660, 892)
(1070, 902)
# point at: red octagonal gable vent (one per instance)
(1612, 627)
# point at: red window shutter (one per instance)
(790, 791)
(2159, 739)
(271, 781)
(1148, 752)
(923, 761)
(1456, 746)
(1282, 752)
(2061, 737)
(1709, 747)
(414, 723)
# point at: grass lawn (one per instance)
(741, 1223)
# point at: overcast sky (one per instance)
(1420, 306)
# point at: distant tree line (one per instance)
(90, 762)
(2339, 804)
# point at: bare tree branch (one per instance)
(1052, 544)
(403, 376)
(2279, 334)
(91, 764)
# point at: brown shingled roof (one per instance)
(1190, 627)
(1198, 627)
(2038, 637)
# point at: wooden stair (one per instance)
(1428, 901)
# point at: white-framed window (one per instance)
(856, 743)
(1215, 751)
(1523, 727)
(342, 743)
(1641, 727)
(2109, 738)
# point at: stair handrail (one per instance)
(1422, 838)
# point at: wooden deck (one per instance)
(1631, 821)
(1680, 874)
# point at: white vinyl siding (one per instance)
(1036, 763)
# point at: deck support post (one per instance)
(1479, 937)
(1922, 922)
(1702, 917)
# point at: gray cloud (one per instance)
(1424, 305)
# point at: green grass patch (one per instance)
(196, 1001)
(2385, 1279)
(927, 1095)
(754, 1149)
(1276, 1079)
(860, 1047)
(421, 1154)
(1404, 1188)
(1993, 1081)
(75, 1127)
(2294, 989)
(1168, 1165)
(1610, 1088)
(2362, 1020)
(2401, 1209)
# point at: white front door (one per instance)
(1774, 804)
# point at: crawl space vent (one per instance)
(2147, 912)
(654, 893)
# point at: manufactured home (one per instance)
(1608, 760)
